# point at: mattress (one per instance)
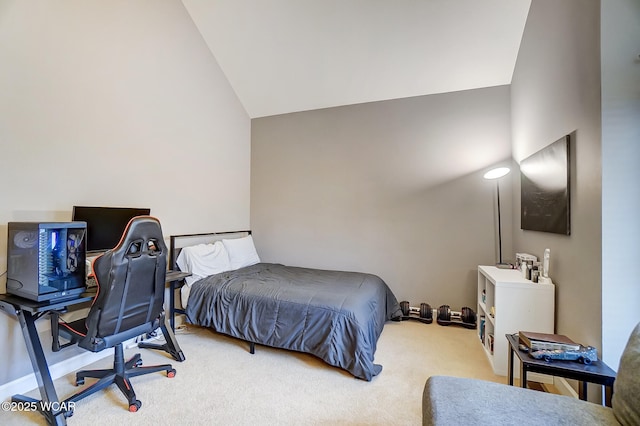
(335, 315)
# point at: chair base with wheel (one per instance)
(120, 374)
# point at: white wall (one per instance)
(620, 29)
(116, 103)
(393, 188)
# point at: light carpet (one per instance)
(220, 382)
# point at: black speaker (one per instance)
(46, 260)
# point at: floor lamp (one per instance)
(496, 174)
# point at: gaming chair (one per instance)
(129, 303)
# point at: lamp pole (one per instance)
(499, 222)
(497, 174)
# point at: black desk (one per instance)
(171, 344)
(27, 312)
(597, 372)
(174, 278)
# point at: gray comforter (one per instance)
(336, 316)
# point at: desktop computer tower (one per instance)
(46, 260)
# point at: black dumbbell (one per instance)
(405, 308)
(466, 318)
(469, 316)
(423, 314)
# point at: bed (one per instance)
(337, 316)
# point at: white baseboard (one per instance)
(564, 387)
(27, 383)
(560, 383)
(540, 378)
(534, 377)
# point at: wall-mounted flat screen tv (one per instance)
(105, 225)
(545, 200)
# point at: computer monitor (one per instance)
(105, 225)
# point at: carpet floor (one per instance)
(220, 382)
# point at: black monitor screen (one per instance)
(105, 225)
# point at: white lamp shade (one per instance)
(496, 173)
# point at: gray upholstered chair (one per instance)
(453, 400)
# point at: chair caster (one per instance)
(138, 363)
(171, 373)
(79, 382)
(135, 406)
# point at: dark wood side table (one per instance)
(597, 372)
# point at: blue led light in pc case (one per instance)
(46, 260)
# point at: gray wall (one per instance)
(587, 84)
(556, 91)
(114, 103)
(393, 188)
(620, 48)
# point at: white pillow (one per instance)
(203, 260)
(241, 252)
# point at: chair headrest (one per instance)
(143, 235)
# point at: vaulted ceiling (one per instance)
(283, 56)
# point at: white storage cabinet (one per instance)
(508, 303)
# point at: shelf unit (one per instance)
(517, 304)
